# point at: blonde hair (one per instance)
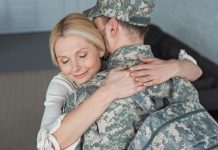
(75, 24)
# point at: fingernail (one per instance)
(137, 79)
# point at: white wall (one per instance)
(195, 22)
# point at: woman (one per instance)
(73, 40)
(77, 52)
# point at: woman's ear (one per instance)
(101, 53)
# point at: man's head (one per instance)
(135, 12)
(131, 15)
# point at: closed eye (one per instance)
(64, 61)
(83, 56)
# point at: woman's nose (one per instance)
(75, 66)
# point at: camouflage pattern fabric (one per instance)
(135, 12)
(138, 121)
(179, 126)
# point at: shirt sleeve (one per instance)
(46, 141)
(59, 89)
(183, 55)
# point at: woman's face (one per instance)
(78, 59)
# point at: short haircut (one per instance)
(75, 24)
(140, 31)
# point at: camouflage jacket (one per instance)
(123, 124)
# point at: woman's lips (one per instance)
(81, 75)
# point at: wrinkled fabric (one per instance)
(180, 126)
(141, 121)
(135, 12)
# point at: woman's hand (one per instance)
(120, 84)
(154, 71)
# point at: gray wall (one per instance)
(195, 22)
(19, 16)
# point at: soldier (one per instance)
(140, 121)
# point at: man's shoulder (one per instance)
(133, 51)
(99, 76)
(96, 80)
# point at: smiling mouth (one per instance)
(81, 75)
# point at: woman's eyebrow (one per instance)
(61, 56)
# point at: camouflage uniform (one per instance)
(185, 125)
(164, 116)
(148, 114)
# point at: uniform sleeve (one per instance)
(58, 91)
(183, 55)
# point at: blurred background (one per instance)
(26, 68)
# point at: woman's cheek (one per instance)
(66, 69)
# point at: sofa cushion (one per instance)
(204, 83)
(209, 99)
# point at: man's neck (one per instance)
(127, 42)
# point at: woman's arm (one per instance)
(187, 70)
(58, 90)
(119, 84)
(155, 71)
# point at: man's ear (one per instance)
(113, 26)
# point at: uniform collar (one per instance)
(128, 55)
